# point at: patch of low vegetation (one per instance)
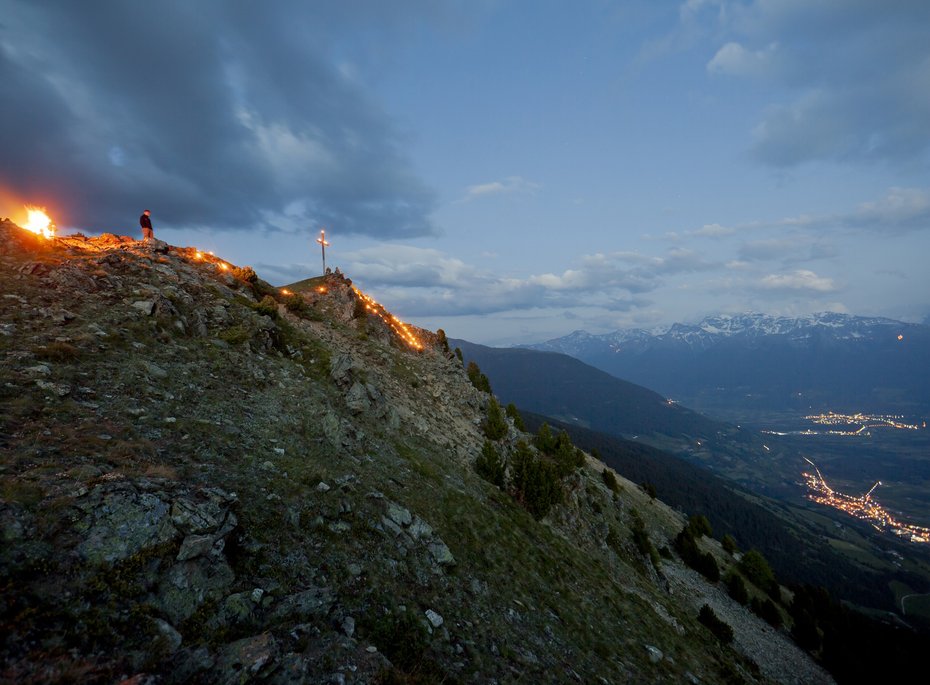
(246, 274)
(721, 630)
(641, 539)
(702, 562)
(767, 610)
(728, 542)
(756, 569)
(267, 306)
(736, 586)
(610, 480)
(57, 351)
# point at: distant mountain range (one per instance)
(760, 362)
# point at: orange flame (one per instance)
(39, 222)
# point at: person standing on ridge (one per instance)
(146, 223)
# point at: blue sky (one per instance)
(508, 171)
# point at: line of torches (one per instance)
(399, 327)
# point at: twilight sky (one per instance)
(509, 171)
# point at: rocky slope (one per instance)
(206, 479)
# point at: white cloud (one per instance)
(427, 282)
(712, 231)
(507, 186)
(902, 209)
(735, 60)
(801, 279)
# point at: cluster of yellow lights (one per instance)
(399, 327)
(862, 507)
(39, 222)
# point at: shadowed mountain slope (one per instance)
(562, 387)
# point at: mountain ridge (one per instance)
(761, 362)
(207, 479)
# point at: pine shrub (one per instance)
(736, 587)
(495, 427)
(478, 379)
(721, 630)
(610, 480)
(490, 465)
(536, 481)
(514, 414)
(767, 610)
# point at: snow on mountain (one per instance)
(713, 329)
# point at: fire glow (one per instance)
(399, 327)
(39, 222)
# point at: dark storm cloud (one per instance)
(235, 115)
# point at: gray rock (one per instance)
(340, 369)
(311, 603)
(655, 654)
(247, 659)
(357, 398)
(199, 517)
(348, 626)
(154, 370)
(156, 245)
(145, 306)
(440, 553)
(419, 529)
(391, 526)
(239, 607)
(123, 523)
(188, 584)
(60, 389)
(398, 514)
(434, 619)
(169, 637)
(195, 546)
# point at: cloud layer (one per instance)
(231, 116)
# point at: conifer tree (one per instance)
(495, 427)
(490, 465)
(514, 414)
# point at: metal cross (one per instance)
(322, 241)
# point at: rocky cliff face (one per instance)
(207, 479)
